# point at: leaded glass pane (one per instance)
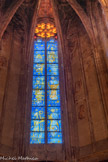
(53, 113)
(37, 137)
(53, 98)
(52, 69)
(54, 125)
(37, 140)
(37, 125)
(52, 56)
(54, 135)
(54, 140)
(38, 82)
(39, 40)
(39, 69)
(52, 46)
(39, 56)
(38, 98)
(51, 41)
(39, 46)
(53, 82)
(38, 113)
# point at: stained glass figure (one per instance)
(54, 125)
(38, 125)
(46, 90)
(52, 82)
(52, 69)
(52, 57)
(38, 82)
(53, 98)
(38, 113)
(53, 113)
(52, 46)
(39, 56)
(39, 69)
(38, 98)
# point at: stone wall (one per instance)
(84, 86)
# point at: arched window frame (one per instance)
(59, 150)
(50, 42)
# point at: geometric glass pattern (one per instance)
(46, 106)
(45, 30)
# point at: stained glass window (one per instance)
(46, 106)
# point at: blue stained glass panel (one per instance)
(52, 56)
(52, 41)
(53, 98)
(39, 69)
(54, 135)
(54, 125)
(38, 113)
(37, 137)
(53, 113)
(53, 82)
(37, 140)
(37, 125)
(38, 82)
(52, 69)
(39, 46)
(38, 98)
(54, 140)
(39, 56)
(52, 46)
(39, 40)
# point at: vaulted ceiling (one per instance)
(20, 11)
